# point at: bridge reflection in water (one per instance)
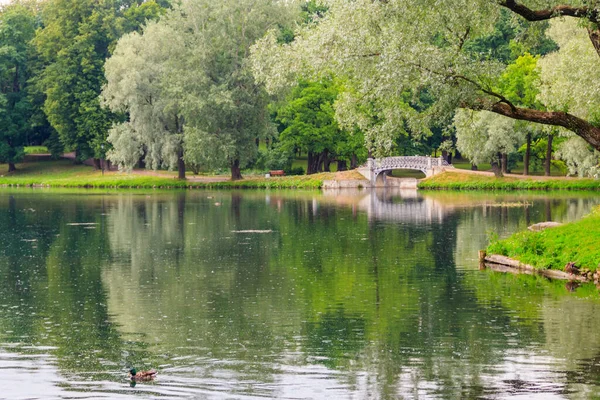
(398, 205)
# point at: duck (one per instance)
(138, 376)
(571, 268)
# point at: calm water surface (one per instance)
(287, 295)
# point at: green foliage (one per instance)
(294, 170)
(17, 28)
(54, 145)
(308, 117)
(383, 50)
(520, 80)
(205, 107)
(510, 38)
(312, 11)
(274, 158)
(307, 123)
(481, 135)
(75, 41)
(554, 248)
(36, 150)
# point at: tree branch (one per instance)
(581, 127)
(468, 80)
(556, 11)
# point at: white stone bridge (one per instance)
(378, 169)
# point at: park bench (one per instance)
(278, 172)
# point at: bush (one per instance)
(54, 145)
(294, 171)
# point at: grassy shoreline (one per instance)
(65, 174)
(553, 248)
(455, 180)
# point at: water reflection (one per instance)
(286, 294)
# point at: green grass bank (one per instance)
(553, 248)
(456, 180)
(64, 173)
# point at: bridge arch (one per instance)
(376, 169)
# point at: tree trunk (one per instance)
(342, 165)
(236, 173)
(97, 165)
(11, 167)
(548, 156)
(326, 161)
(180, 166)
(496, 169)
(594, 35)
(474, 167)
(76, 161)
(445, 155)
(527, 155)
(505, 163)
(314, 162)
(353, 162)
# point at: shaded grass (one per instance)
(36, 150)
(464, 181)
(518, 169)
(555, 247)
(64, 174)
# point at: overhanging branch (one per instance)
(590, 133)
(556, 11)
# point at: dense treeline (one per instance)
(205, 85)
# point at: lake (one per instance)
(285, 294)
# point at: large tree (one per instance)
(387, 47)
(139, 85)
(74, 42)
(17, 28)
(307, 121)
(201, 82)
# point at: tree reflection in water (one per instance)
(239, 292)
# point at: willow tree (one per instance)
(187, 88)
(386, 48)
(138, 77)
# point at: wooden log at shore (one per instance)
(506, 264)
(482, 254)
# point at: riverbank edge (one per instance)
(465, 180)
(500, 263)
(548, 251)
(459, 180)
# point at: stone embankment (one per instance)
(398, 183)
